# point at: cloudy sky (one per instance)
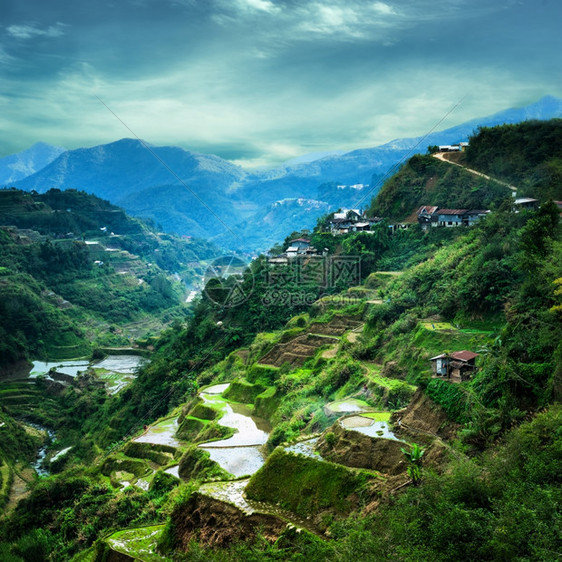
(262, 81)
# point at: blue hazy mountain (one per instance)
(18, 166)
(548, 107)
(113, 171)
(214, 195)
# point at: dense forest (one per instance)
(474, 470)
(528, 155)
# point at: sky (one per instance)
(259, 82)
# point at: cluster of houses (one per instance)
(347, 221)
(351, 220)
(430, 215)
(355, 220)
(298, 248)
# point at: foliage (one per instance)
(453, 398)
(424, 180)
(414, 458)
(528, 155)
(304, 485)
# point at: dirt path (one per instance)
(19, 488)
(441, 156)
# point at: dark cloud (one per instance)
(265, 80)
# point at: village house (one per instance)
(433, 216)
(473, 216)
(351, 220)
(299, 247)
(426, 215)
(458, 366)
(450, 217)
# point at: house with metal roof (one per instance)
(450, 217)
(352, 220)
(426, 215)
(457, 366)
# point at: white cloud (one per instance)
(348, 20)
(384, 9)
(259, 5)
(30, 31)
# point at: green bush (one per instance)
(453, 398)
(243, 392)
(262, 374)
(196, 463)
(304, 485)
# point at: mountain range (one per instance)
(204, 195)
(23, 164)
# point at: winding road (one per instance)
(441, 156)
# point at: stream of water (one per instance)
(42, 452)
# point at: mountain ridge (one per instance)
(131, 174)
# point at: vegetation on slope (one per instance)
(527, 155)
(424, 180)
(58, 293)
(493, 288)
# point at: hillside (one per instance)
(73, 265)
(528, 155)
(408, 411)
(423, 180)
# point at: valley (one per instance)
(409, 410)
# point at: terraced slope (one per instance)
(297, 351)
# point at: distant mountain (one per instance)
(116, 170)
(145, 182)
(273, 223)
(548, 107)
(216, 195)
(175, 209)
(18, 166)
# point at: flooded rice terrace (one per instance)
(116, 371)
(241, 454)
(368, 426)
(161, 433)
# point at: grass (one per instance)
(5, 480)
(435, 341)
(305, 485)
(438, 326)
(377, 416)
(447, 326)
(244, 392)
(375, 376)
